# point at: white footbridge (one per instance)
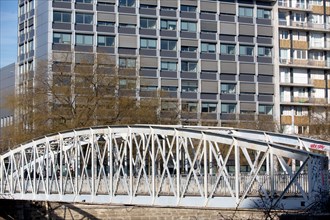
(172, 166)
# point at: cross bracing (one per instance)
(164, 166)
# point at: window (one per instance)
(245, 12)
(300, 54)
(21, 49)
(84, 1)
(188, 49)
(148, 6)
(228, 88)
(189, 66)
(148, 43)
(148, 23)
(167, 8)
(316, 55)
(209, 107)
(123, 25)
(148, 88)
(189, 106)
(228, 49)
(208, 47)
(189, 86)
(264, 13)
(317, 19)
(127, 62)
(86, 40)
(316, 2)
(229, 108)
(106, 23)
(127, 84)
(61, 38)
(169, 88)
(265, 109)
(64, 17)
(188, 26)
(246, 50)
(169, 106)
(107, 41)
(264, 51)
(168, 24)
(84, 18)
(168, 66)
(284, 34)
(127, 3)
(299, 17)
(30, 45)
(188, 8)
(168, 44)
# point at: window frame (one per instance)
(150, 43)
(189, 25)
(148, 20)
(246, 50)
(106, 37)
(61, 38)
(85, 16)
(61, 14)
(191, 66)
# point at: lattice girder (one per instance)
(158, 165)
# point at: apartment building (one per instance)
(304, 62)
(7, 89)
(214, 60)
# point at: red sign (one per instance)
(317, 146)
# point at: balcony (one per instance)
(304, 63)
(296, 81)
(298, 120)
(304, 25)
(318, 83)
(304, 101)
(299, 44)
(285, 43)
(292, 5)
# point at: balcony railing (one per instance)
(296, 5)
(302, 62)
(303, 24)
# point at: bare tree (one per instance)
(319, 122)
(92, 91)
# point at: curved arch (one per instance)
(162, 165)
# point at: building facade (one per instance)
(7, 88)
(217, 61)
(304, 63)
(213, 59)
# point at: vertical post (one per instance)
(1, 174)
(61, 165)
(93, 167)
(11, 173)
(237, 171)
(111, 162)
(47, 166)
(177, 167)
(205, 167)
(153, 164)
(22, 172)
(272, 174)
(130, 163)
(34, 167)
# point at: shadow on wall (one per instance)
(17, 209)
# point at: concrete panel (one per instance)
(228, 67)
(247, 68)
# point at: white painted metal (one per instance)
(166, 166)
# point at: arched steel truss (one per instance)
(164, 166)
